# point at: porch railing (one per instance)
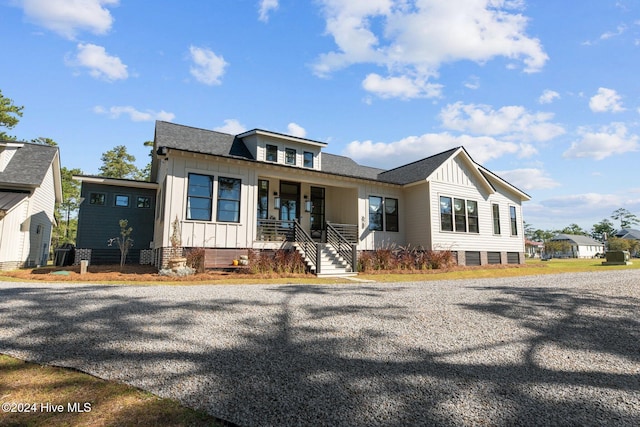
(343, 238)
(274, 230)
(308, 245)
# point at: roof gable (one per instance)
(29, 165)
(417, 171)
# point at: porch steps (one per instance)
(331, 264)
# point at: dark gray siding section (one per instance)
(97, 223)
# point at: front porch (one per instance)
(331, 250)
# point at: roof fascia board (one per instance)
(283, 167)
(282, 137)
(524, 196)
(116, 182)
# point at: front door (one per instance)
(289, 201)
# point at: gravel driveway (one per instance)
(546, 350)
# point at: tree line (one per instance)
(603, 231)
(116, 163)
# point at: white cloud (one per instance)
(611, 34)
(528, 179)
(406, 150)
(585, 201)
(512, 122)
(68, 17)
(231, 126)
(414, 39)
(295, 129)
(608, 141)
(548, 96)
(266, 6)
(606, 100)
(400, 87)
(134, 114)
(207, 68)
(473, 83)
(100, 64)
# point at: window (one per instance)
(383, 214)
(229, 199)
(496, 218)
(446, 217)
(290, 156)
(375, 213)
(391, 214)
(272, 153)
(263, 199)
(472, 216)
(143, 202)
(97, 199)
(122, 200)
(460, 215)
(514, 221)
(199, 197)
(308, 159)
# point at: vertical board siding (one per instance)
(463, 185)
(208, 233)
(416, 213)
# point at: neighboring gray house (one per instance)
(30, 186)
(106, 201)
(265, 190)
(628, 233)
(581, 246)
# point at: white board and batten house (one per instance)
(237, 191)
(30, 186)
(265, 190)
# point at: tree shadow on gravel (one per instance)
(337, 355)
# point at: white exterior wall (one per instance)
(587, 251)
(454, 180)
(14, 241)
(369, 239)
(417, 215)
(206, 233)
(41, 218)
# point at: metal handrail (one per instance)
(275, 230)
(343, 246)
(308, 245)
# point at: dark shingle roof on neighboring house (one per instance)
(416, 171)
(29, 165)
(200, 141)
(628, 233)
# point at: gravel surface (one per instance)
(545, 350)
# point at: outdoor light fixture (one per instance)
(307, 204)
(276, 200)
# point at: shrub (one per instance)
(281, 261)
(195, 259)
(404, 258)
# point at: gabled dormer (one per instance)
(272, 147)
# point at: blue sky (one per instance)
(543, 93)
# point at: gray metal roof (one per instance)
(28, 166)
(9, 199)
(577, 239)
